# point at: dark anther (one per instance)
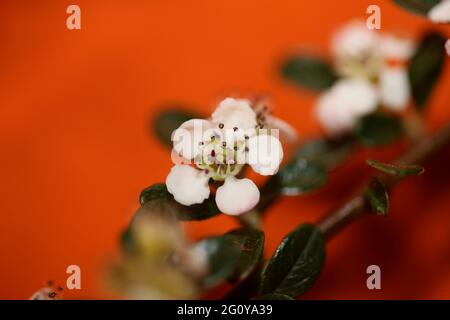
(246, 137)
(213, 153)
(246, 149)
(235, 129)
(224, 144)
(50, 283)
(221, 125)
(200, 143)
(60, 289)
(52, 294)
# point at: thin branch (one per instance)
(356, 207)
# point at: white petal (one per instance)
(394, 88)
(285, 128)
(235, 113)
(440, 13)
(355, 39)
(237, 196)
(339, 108)
(187, 137)
(265, 154)
(447, 47)
(395, 47)
(187, 185)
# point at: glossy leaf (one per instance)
(396, 169)
(167, 121)
(378, 129)
(377, 197)
(274, 296)
(156, 197)
(417, 6)
(426, 66)
(296, 264)
(309, 72)
(251, 245)
(223, 257)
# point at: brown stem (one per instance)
(356, 207)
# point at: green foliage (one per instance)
(309, 72)
(378, 129)
(426, 67)
(377, 197)
(223, 257)
(296, 263)
(251, 245)
(417, 6)
(167, 121)
(157, 198)
(396, 169)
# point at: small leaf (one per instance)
(167, 121)
(251, 245)
(377, 197)
(396, 169)
(297, 262)
(158, 198)
(301, 176)
(274, 296)
(417, 6)
(309, 72)
(426, 67)
(223, 258)
(378, 129)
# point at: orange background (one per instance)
(76, 145)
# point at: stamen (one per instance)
(213, 153)
(235, 129)
(224, 144)
(221, 125)
(52, 294)
(246, 137)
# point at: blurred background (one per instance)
(77, 146)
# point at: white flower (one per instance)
(357, 51)
(355, 39)
(339, 108)
(265, 154)
(187, 137)
(188, 185)
(396, 48)
(394, 88)
(447, 47)
(235, 136)
(237, 195)
(440, 13)
(235, 113)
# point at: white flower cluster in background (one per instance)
(373, 70)
(440, 13)
(238, 133)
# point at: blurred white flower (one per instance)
(235, 136)
(339, 108)
(355, 39)
(398, 48)
(394, 88)
(440, 13)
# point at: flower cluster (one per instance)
(239, 133)
(373, 71)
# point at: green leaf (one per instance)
(426, 67)
(297, 262)
(417, 6)
(377, 197)
(223, 258)
(378, 129)
(301, 176)
(251, 245)
(274, 296)
(167, 121)
(309, 72)
(156, 197)
(396, 169)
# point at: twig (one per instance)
(356, 207)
